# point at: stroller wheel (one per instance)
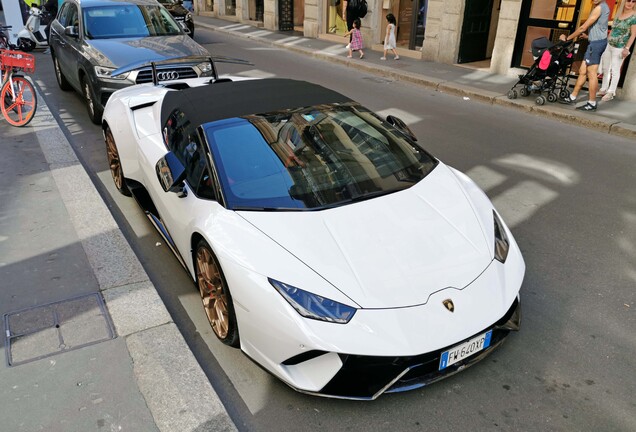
(552, 97)
(564, 94)
(540, 100)
(525, 92)
(512, 94)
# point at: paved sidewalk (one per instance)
(615, 117)
(88, 343)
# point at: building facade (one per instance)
(494, 32)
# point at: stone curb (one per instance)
(602, 124)
(138, 313)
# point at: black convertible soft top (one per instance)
(223, 100)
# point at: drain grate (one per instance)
(43, 331)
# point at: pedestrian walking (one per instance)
(389, 38)
(596, 26)
(619, 42)
(351, 10)
(356, 38)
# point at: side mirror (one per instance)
(171, 173)
(401, 126)
(71, 31)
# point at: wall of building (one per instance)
(270, 15)
(443, 29)
(311, 21)
(506, 34)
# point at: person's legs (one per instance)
(350, 20)
(615, 68)
(580, 80)
(592, 85)
(605, 67)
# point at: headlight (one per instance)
(188, 17)
(205, 68)
(502, 245)
(104, 72)
(313, 306)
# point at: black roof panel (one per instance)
(223, 100)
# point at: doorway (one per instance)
(474, 38)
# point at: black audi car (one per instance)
(92, 38)
(179, 13)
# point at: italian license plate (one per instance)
(468, 348)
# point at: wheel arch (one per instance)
(195, 238)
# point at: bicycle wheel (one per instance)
(18, 103)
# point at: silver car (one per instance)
(92, 38)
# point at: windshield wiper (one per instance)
(370, 195)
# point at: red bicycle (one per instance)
(18, 97)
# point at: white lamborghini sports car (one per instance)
(326, 243)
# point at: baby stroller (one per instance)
(549, 73)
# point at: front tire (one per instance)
(93, 107)
(215, 295)
(59, 76)
(114, 163)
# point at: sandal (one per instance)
(601, 93)
(361, 56)
(607, 97)
(396, 58)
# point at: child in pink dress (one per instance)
(356, 39)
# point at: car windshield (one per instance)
(124, 21)
(312, 158)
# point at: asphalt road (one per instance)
(568, 195)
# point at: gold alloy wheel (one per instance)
(113, 160)
(213, 292)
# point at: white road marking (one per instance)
(485, 177)
(544, 169)
(259, 33)
(256, 73)
(235, 27)
(523, 200)
(406, 116)
(289, 39)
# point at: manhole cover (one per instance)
(43, 331)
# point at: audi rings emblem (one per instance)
(167, 76)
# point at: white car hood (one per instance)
(392, 251)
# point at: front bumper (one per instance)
(105, 88)
(368, 377)
(379, 350)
